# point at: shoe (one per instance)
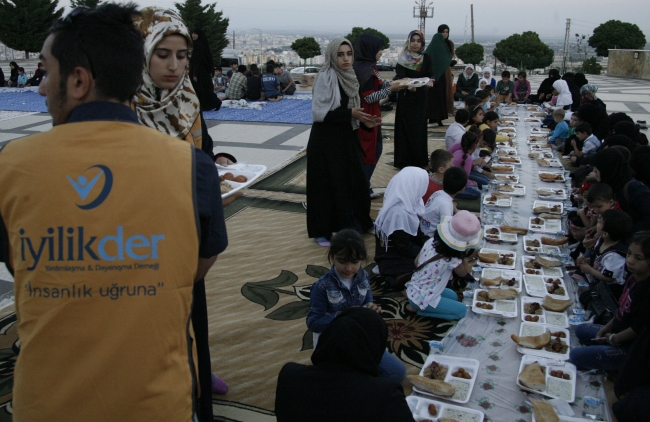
(375, 195)
(322, 241)
(219, 386)
(375, 270)
(304, 205)
(641, 122)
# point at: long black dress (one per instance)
(437, 110)
(337, 191)
(411, 147)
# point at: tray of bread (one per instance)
(544, 224)
(539, 114)
(506, 124)
(513, 189)
(539, 153)
(541, 286)
(506, 130)
(539, 143)
(495, 302)
(507, 143)
(507, 178)
(543, 341)
(502, 279)
(540, 130)
(496, 258)
(537, 243)
(503, 168)
(552, 193)
(509, 159)
(509, 113)
(533, 120)
(532, 310)
(533, 266)
(452, 378)
(424, 409)
(497, 199)
(552, 176)
(510, 118)
(236, 177)
(495, 234)
(544, 207)
(547, 377)
(549, 162)
(507, 151)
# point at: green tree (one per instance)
(357, 30)
(306, 48)
(525, 51)
(591, 66)
(207, 18)
(616, 34)
(470, 52)
(24, 23)
(86, 3)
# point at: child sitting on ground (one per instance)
(457, 129)
(574, 121)
(607, 259)
(254, 85)
(220, 81)
(477, 174)
(271, 85)
(344, 286)
(559, 134)
(505, 88)
(441, 203)
(22, 77)
(522, 89)
(590, 143)
(470, 102)
(439, 162)
(491, 121)
(449, 250)
(483, 97)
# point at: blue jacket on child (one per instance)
(329, 296)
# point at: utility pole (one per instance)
(422, 11)
(472, 8)
(234, 44)
(566, 45)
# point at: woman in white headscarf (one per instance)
(467, 83)
(397, 239)
(337, 191)
(563, 93)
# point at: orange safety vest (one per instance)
(103, 238)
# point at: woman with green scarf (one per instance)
(440, 51)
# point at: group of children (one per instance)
(251, 84)
(505, 90)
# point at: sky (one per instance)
(495, 18)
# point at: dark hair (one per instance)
(232, 62)
(642, 239)
(490, 138)
(348, 246)
(241, 68)
(639, 163)
(505, 73)
(445, 250)
(439, 158)
(471, 101)
(253, 67)
(474, 111)
(489, 88)
(461, 116)
(21, 69)
(255, 72)
(454, 180)
(14, 64)
(476, 131)
(490, 116)
(600, 192)
(466, 142)
(624, 150)
(271, 62)
(617, 224)
(522, 73)
(269, 68)
(218, 69)
(481, 94)
(583, 127)
(106, 42)
(277, 65)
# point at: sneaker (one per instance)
(641, 122)
(219, 386)
(375, 195)
(322, 241)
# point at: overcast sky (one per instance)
(493, 17)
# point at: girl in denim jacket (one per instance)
(344, 286)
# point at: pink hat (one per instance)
(461, 232)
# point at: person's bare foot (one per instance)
(410, 308)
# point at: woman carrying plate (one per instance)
(411, 115)
(441, 56)
(337, 191)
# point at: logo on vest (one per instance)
(84, 187)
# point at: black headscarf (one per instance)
(441, 29)
(580, 79)
(627, 128)
(201, 55)
(575, 90)
(546, 87)
(596, 115)
(366, 47)
(356, 339)
(622, 140)
(14, 71)
(613, 167)
(639, 163)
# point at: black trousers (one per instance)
(634, 406)
(200, 325)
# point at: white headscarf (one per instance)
(488, 69)
(479, 84)
(169, 111)
(564, 97)
(402, 203)
(326, 96)
(468, 66)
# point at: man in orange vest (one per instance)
(105, 224)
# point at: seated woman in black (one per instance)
(397, 240)
(545, 90)
(344, 383)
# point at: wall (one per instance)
(623, 63)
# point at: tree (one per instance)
(470, 52)
(86, 3)
(212, 22)
(357, 30)
(24, 24)
(616, 34)
(526, 51)
(591, 66)
(306, 48)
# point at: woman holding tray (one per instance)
(337, 190)
(411, 147)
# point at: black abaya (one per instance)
(337, 191)
(411, 141)
(437, 110)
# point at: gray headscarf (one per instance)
(326, 96)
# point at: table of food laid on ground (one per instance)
(514, 343)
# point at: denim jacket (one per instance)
(329, 296)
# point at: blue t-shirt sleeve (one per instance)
(214, 239)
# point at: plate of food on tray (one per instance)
(496, 302)
(496, 258)
(236, 177)
(547, 377)
(514, 189)
(452, 378)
